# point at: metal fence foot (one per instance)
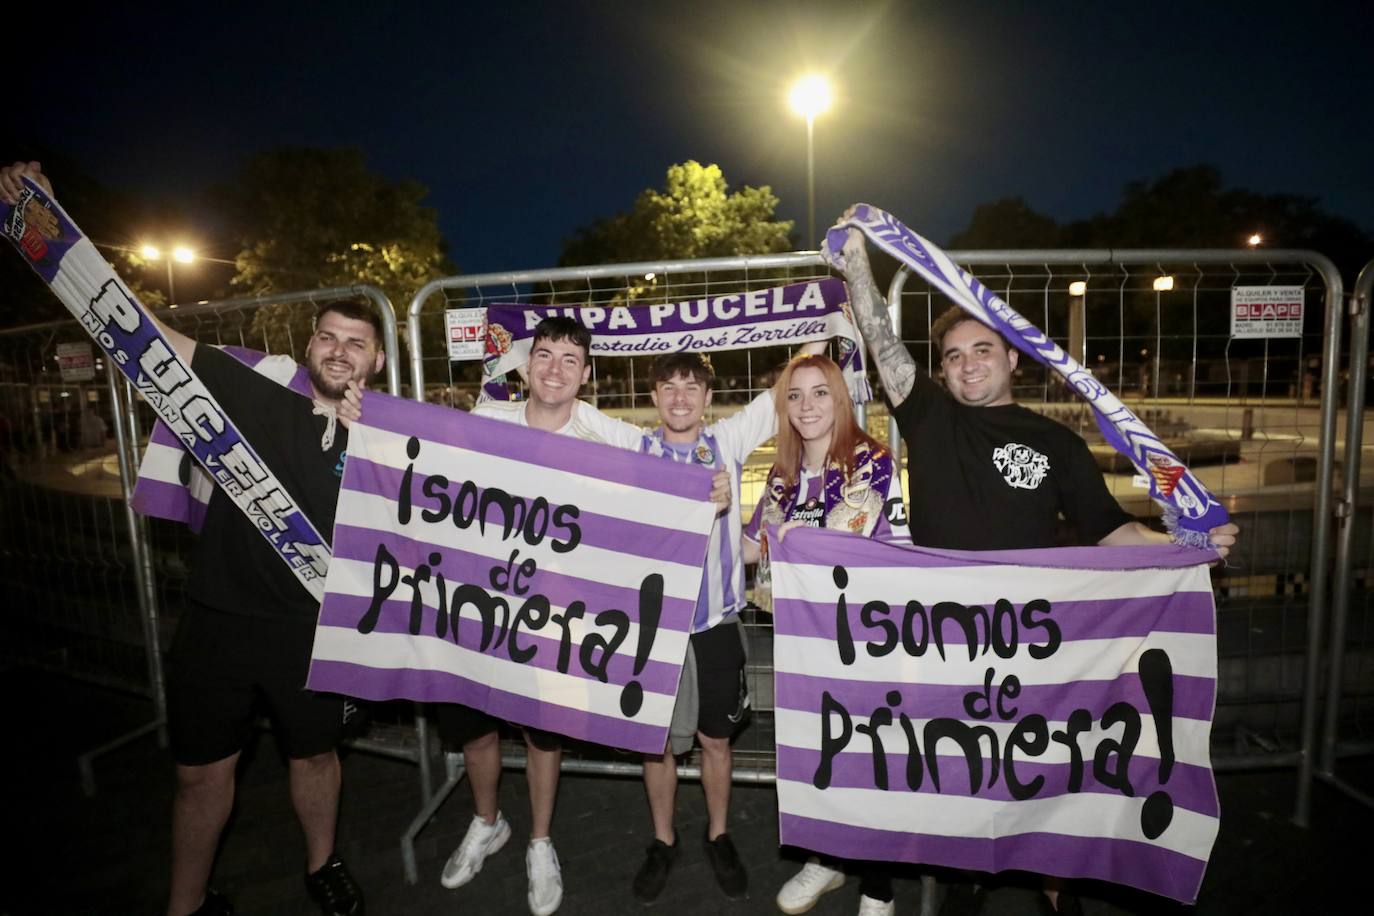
(425, 815)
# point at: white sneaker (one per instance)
(546, 880)
(481, 840)
(805, 887)
(870, 907)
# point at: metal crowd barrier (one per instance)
(96, 589)
(1255, 419)
(1350, 675)
(619, 387)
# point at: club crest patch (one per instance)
(1021, 466)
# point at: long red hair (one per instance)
(844, 439)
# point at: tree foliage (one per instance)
(1186, 208)
(308, 218)
(693, 216)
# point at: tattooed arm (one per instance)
(895, 366)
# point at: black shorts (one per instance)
(220, 662)
(721, 688)
(460, 724)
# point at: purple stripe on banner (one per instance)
(440, 687)
(163, 435)
(460, 566)
(1139, 864)
(170, 501)
(1194, 697)
(510, 441)
(1190, 787)
(605, 532)
(345, 611)
(819, 546)
(1111, 618)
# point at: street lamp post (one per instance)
(179, 253)
(810, 97)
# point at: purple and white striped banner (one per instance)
(1046, 711)
(782, 315)
(1190, 509)
(545, 580)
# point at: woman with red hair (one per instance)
(829, 474)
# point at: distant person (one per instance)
(93, 429)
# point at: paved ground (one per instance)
(71, 855)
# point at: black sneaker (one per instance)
(216, 904)
(334, 890)
(653, 874)
(730, 873)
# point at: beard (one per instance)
(326, 388)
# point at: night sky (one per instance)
(527, 121)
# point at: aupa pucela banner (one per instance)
(542, 579)
(1047, 711)
(783, 315)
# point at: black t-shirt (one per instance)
(233, 567)
(997, 478)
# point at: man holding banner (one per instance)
(985, 474)
(559, 364)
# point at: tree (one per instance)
(1007, 223)
(309, 218)
(694, 216)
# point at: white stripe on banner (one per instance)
(573, 618)
(1074, 742)
(799, 728)
(1086, 815)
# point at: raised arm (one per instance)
(895, 366)
(12, 185)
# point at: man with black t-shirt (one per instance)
(249, 623)
(984, 472)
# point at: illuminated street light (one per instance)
(180, 253)
(1077, 288)
(809, 97)
(1163, 284)
(1255, 240)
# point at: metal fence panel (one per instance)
(96, 590)
(1254, 418)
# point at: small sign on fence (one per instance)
(76, 362)
(1266, 311)
(467, 329)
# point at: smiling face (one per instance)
(977, 365)
(681, 401)
(341, 350)
(558, 368)
(811, 405)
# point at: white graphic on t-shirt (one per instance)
(1021, 466)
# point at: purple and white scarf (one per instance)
(1190, 509)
